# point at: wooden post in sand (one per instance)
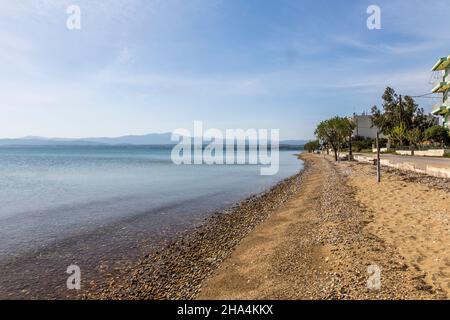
(378, 158)
(350, 151)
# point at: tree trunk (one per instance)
(335, 155)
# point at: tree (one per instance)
(398, 134)
(414, 136)
(415, 116)
(398, 110)
(387, 119)
(437, 134)
(334, 132)
(312, 145)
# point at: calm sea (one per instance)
(50, 194)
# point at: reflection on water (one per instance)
(48, 194)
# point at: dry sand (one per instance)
(320, 243)
(412, 217)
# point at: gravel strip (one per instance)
(326, 255)
(178, 270)
(430, 181)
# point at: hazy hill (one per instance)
(147, 139)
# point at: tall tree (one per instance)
(399, 110)
(334, 132)
(387, 118)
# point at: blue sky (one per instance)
(153, 66)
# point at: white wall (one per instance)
(364, 126)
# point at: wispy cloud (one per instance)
(422, 19)
(216, 59)
(125, 56)
(15, 55)
(412, 81)
(397, 49)
(9, 41)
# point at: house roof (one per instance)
(441, 87)
(441, 64)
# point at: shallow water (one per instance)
(50, 194)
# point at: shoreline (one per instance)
(110, 250)
(177, 270)
(310, 236)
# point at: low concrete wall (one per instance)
(403, 152)
(429, 169)
(382, 150)
(432, 153)
(424, 153)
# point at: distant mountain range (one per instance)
(294, 142)
(147, 139)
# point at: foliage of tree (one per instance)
(362, 143)
(437, 134)
(414, 136)
(396, 112)
(334, 132)
(398, 134)
(312, 146)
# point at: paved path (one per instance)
(420, 161)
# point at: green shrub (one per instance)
(361, 143)
(437, 134)
(312, 146)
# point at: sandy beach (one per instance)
(412, 213)
(320, 244)
(317, 235)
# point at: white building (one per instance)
(443, 86)
(364, 126)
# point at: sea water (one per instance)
(49, 194)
